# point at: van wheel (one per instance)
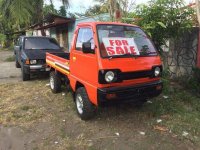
(17, 64)
(85, 109)
(55, 82)
(25, 76)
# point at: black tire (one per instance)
(25, 76)
(17, 63)
(55, 82)
(88, 109)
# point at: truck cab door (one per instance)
(83, 66)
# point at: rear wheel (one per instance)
(17, 63)
(85, 109)
(55, 82)
(25, 76)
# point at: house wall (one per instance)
(53, 32)
(38, 32)
(182, 55)
(60, 33)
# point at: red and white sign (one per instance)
(120, 46)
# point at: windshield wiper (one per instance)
(124, 55)
(148, 54)
(131, 55)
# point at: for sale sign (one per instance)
(120, 46)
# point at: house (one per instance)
(61, 28)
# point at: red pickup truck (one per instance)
(108, 63)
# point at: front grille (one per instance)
(41, 61)
(134, 93)
(135, 75)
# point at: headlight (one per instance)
(33, 62)
(157, 72)
(109, 76)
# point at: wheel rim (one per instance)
(51, 82)
(79, 103)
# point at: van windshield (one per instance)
(41, 43)
(124, 41)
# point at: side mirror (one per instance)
(17, 48)
(87, 48)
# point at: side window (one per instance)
(84, 35)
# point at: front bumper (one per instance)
(35, 68)
(130, 93)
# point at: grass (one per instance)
(180, 111)
(34, 107)
(7, 49)
(10, 59)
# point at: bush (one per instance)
(194, 82)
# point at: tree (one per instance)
(116, 8)
(95, 10)
(22, 13)
(164, 19)
(17, 15)
(16, 12)
(62, 11)
(49, 9)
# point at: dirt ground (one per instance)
(33, 118)
(8, 72)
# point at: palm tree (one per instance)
(65, 3)
(109, 5)
(24, 12)
(17, 12)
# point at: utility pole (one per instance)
(198, 10)
(198, 18)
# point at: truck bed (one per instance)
(61, 54)
(59, 61)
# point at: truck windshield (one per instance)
(41, 43)
(124, 41)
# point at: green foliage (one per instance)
(95, 10)
(19, 15)
(194, 81)
(197, 74)
(49, 9)
(163, 19)
(10, 59)
(16, 15)
(179, 112)
(62, 11)
(2, 38)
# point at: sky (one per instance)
(81, 5)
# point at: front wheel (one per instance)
(85, 109)
(25, 76)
